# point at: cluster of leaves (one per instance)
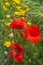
(33, 53)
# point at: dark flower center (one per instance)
(17, 51)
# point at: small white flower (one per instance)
(11, 35)
(5, 52)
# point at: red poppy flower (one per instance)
(33, 34)
(19, 58)
(18, 52)
(18, 24)
(10, 54)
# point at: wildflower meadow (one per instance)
(21, 32)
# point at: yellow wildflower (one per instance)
(8, 15)
(17, 13)
(19, 8)
(17, 1)
(22, 12)
(7, 23)
(29, 23)
(41, 14)
(26, 7)
(7, 4)
(4, 8)
(7, 43)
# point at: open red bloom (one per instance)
(33, 34)
(18, 52)
(18, 24)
